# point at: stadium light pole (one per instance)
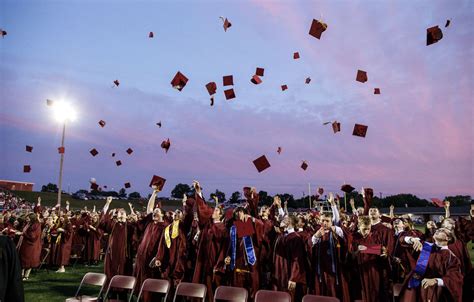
(63, 112)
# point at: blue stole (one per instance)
(421, 265)
(249, 250)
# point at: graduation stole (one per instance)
(332, 254)
(421, 265)
(174, 232)
(249, 250)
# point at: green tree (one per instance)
(181, 189)
(235, 197)
(264, 198)
(50, 188)
(459, 200)
(122, 193)
(134, 195)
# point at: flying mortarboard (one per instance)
(26, 169)
(308, 80)
(228, 80)
(151, 35)
(29, 148)
(94, 152)
(304, 165)
(447, 23)
(113, 154)
(317, 28)
(437, 202)
(261, 163)
(118, 163)
(211, 88)
(336, 126)
(433, 35)
(359, 130)
(376, 90)
(157, 181)
(166, 145)
(296, 55)
(346, 188)
(229, 94)
(102, 123)
(279, 150)
(127, 185)
(284, 87)
(179, 81)
(256, 80)
(3, 33)
(61, 150)
(94, 186)
(117, 83)
(212, 100)
(129, 151)
(226, 23)
(259, 71)
(159, 124)
(361, 76)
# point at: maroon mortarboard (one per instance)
(127, 185)
(29, 148)
(211, 88)
(157, 181)
(26, 169)
(259, 71)
(49, 102)
(308, 80)
(346, 188)
(113, 154)
(129, 151)
(437, 202)
(304, 165)
(117, 83)
(118, 163)
(320, 191)
(226, 24)
(179, 81)
(284, 87)
(447, 23)
(296, 55)
(256, 80)
(376, 90)
(279, 150)
(61, 150)
(159, 124)
(317, 28)
(336, 126)
(212, 100)
(261, 163)
(166, 145)
(229, 94)
(361, 76)
(94, 186)
(433, 35)
(102, 123)
(386, 219)
(374, 249)
(151, 35)
(228, 80)
(3, 33)
(94, 152)
(360, 130)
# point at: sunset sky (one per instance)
(420, 128)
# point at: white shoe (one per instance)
(61, 270)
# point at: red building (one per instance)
(16, 185)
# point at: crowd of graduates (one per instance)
(351, 255)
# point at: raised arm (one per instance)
(131, 208)
(151, 202)
(392, 215)
(107, 204)
(447, 204)
(204, 211)
(335, 211)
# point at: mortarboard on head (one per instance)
(127, 185)
(117, 83)
(102, 123)
(376, 90)
(26, 169)
(261, 163)
(3, 33)
(212, 100)
(304, 165)
(284, 87)
(296, 55)
(317, 28)
(94, 186)
(211, 88)
(157, 181)
(129, 151)
(159, 124)
(256, 80)
(29, 148)
(346, 188)
(361, 76)
(308, 80)
(279, 150)
(259, 71)
(447, 23)
(151, 35)
(179, 81)
(166, 145)
(228, 80)
(226, 23)
(336, 126)
(61, 150)
(94, 152)
(433, 35)
(118, 163)
(113, 154)
(229, 94)
(359, 130)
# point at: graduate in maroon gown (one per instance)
(328, 255)
(62, 249)
(118, 257)
(289, 273)
(29, 245)
(213, 244)
(437, 276)
(171, 255)
(154, 225)
(93, 239)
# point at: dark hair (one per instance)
(33, 218)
